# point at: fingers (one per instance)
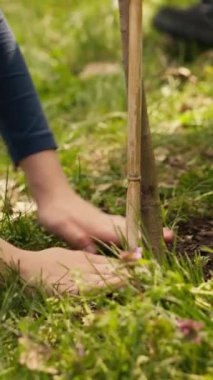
(76, 237)
(100, 259)
(118, 230)
(168, 235)
(87, 272)
(91, 248)
(106, 269)
(88, 283)
(109, 229)
(102, 265)
(96, 282)
(67, 287)
(111, 283)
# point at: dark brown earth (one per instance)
(195, 236)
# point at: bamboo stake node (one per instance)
(134, 178)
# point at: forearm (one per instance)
(44, 176)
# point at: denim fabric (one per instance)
(23, 125)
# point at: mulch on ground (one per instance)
(195, 236)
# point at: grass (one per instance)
(136, 332)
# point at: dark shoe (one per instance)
(192, 24)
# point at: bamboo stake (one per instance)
(134, 122)
(150, 205)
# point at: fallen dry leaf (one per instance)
(6, 185)
(24, 207)
(161, 154)
(177, 162)
(99, 68)
(104, 186)
(185, 107)
(208, 153)
(181, 72)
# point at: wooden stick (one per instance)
(124, 27)
(150, 205)
(134, 122)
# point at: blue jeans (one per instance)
(23, 124)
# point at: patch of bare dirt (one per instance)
(197, 236)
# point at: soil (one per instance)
(195, 236)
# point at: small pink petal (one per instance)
(138, 253)
(189, 324)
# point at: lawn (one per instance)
(159, 326)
